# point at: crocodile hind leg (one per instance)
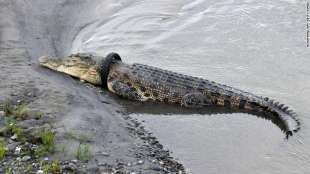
(125, 91)
(195, 100)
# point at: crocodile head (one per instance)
(81, 67)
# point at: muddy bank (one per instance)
(29, 29)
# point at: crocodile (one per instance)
(141, 82)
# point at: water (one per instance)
(256, 46)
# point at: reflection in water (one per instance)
(160, 109)
(257, 46)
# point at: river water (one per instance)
(257, 46)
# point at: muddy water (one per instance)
(257, 46)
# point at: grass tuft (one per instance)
(17, 112)
(8, 109)
(83, 153)
(8, 171)
(47, 138)
(2, 151)
(53, 167)
(11, 126)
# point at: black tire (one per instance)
(105, 67)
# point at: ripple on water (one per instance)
(254, 45)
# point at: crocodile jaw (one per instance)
(73, 66)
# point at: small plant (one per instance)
(41, 151)
(55, 167)
(29, 168)
(17, 112)
(13, 129)
(2, 151)
(47, 138)
(20, 112)
(8, 171)
(46, 168)
(83, 153)
(8, 109)
(52, 167)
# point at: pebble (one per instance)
(105, 154)
(102, 164)
(70, 166)
(26, 158)
(140, 162)
(39, 172)
(17, 150)
(12, 146)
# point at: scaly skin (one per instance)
(143, 83)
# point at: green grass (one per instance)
(17, 112)
(2, 151)
(8, 109)
(47, 139)
(21, 111)
(12, 128)
(83, 153)
(8, 171)
(53, 167)
(29, 168)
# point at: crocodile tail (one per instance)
(281, 115)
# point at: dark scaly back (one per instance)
(168, 86)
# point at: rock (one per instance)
(70, 167)
(45, 159)
(14, 137)
(26, 158)
(102, 164)
(40, 172)
(74, 161)
(4, 131)
(2, 113)
(17, 150)
(140, 162)
(11, 147)
(105, 154)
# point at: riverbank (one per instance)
(78, 115)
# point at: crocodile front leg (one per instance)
(195, 100)
(124, 90)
